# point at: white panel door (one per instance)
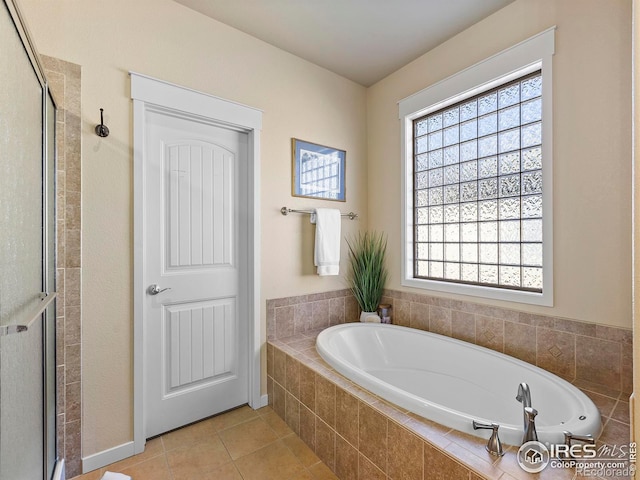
(195, 268)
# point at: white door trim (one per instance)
(149, 91)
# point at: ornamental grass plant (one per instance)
(367, 273)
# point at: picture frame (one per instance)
(318, 171)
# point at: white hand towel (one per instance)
(327, 250)
(115, 476)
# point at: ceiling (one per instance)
(363, 40)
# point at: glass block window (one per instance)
(478, 189)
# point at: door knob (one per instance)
(155, 289)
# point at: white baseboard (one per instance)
(107, 457)
(259, 401)
(126, 450)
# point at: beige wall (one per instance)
(165, 40)
(592, 145)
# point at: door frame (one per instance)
(148, 92)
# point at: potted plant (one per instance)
(367, 273)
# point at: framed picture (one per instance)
(318, 171)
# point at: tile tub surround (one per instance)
(580, 352)
(587, 354)
(362, 437)
(303, 313)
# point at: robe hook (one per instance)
(102, 130)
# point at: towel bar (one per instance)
(287, 211)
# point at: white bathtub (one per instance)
(453, 382)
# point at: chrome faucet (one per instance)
(524, 395)
(569, 438)
(530, 433)
(529, 413)
(494, 445)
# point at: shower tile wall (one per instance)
(64, 82)
(589, 355)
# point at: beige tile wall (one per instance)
(579, 352)
(293, 315)
(64, 81)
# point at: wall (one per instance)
(592, 146)
(165, 40)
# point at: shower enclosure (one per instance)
(27, 259)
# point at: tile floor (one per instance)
(240, 444)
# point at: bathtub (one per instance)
(453, 382)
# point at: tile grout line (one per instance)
(277, 440)
(232, 461)
(166, 462)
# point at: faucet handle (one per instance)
(494, 445)
(570, 437)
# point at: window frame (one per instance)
(526, 57)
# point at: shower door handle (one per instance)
(155, 289)
(36, 313)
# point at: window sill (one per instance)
(531, 298)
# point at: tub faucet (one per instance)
(494, 445)
(529, 413)
(569, 438)
(530, 434)
(524, 395)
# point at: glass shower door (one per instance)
(27, 259)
